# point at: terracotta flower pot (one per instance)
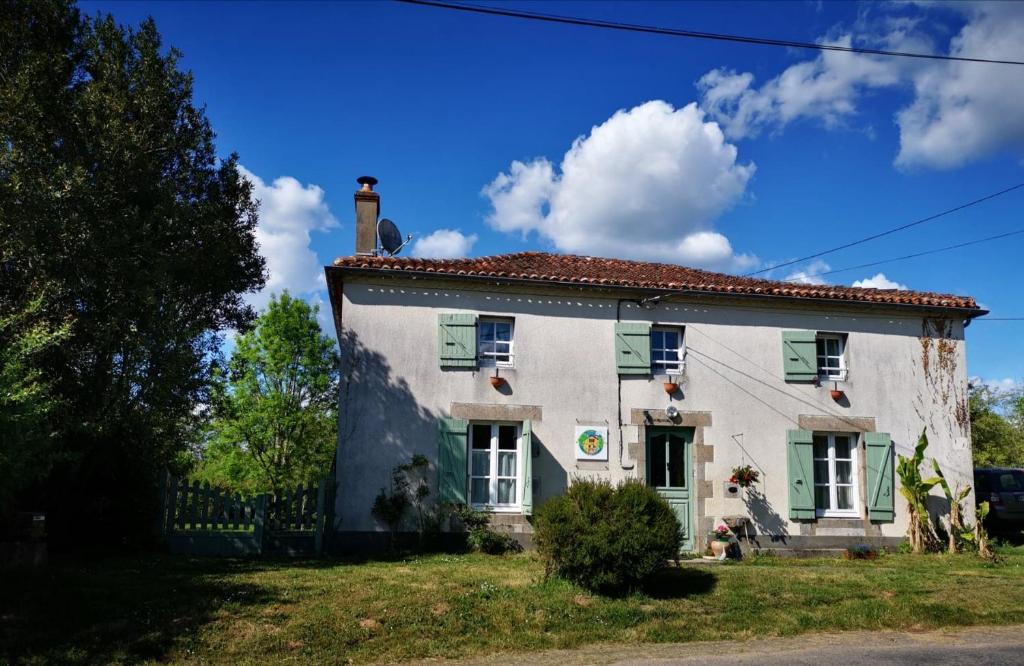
(718, 548)
(670, 387)
(497, 382)
(836, 394)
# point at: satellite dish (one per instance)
(672, 412)
(390, 238)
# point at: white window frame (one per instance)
(854, 485)
(489, 359)
(831, 374)
(492, 474)
(663, 367)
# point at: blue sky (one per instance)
(728, 156)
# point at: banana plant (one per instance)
(956, 520)
(980, 535)
(915, 489)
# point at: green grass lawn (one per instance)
(176, 609)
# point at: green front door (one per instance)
(670, 472)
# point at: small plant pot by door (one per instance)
(718, 548)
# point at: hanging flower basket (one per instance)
(744, 476)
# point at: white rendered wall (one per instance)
(565, 363)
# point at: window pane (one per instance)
(507, 437)
(506, 491)
(832, 347)
(1011, 482)
(821, 499)
(676, 462)
(486, 332)
(820, 446)
(844, 472)
(831, 362)
(506, 463)
(844, 495)
(672, 355)
(503, 331)
(821, 346)
(481, 491)
(821, 471)
(842, 446)
(481, 435)
(671, 340)
(657, 340)
(487, 348)
(658, 461)
(481, 465)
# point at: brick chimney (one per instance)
(367, 211)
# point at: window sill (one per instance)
(497, 509)
(845, 515)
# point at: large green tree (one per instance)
(997, 426)
(26, 397)
(113, 197)
(275, 407)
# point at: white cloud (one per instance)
(960, 112)
(879, 281)
(289, 213)
(810, 274)
(444, 244)
(997, 385)
(825, 89)
(964, 111)
(647, 183)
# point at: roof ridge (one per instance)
(609, 271)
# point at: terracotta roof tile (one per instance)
(572, 269)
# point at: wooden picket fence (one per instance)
(196, 519)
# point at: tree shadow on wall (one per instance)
(768, 524)
(381, 423)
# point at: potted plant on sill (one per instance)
(744, 476)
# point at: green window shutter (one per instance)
(451, 460)
(800, 459)
(527, 468)
(880, 478)
(456, 340)
(799, 355)
(633, 348)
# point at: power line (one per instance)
(890, 231)
(695, 34)
(906, 256)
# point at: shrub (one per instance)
(861, 551)
(408, 489)
(607, 538)
(480, 537)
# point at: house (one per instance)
(515, 374)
